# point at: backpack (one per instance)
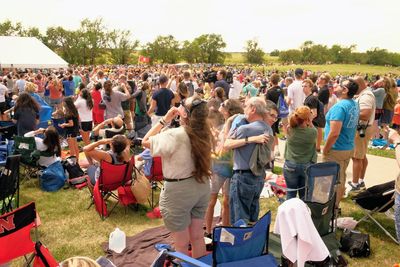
(190, 87)
(53, 177)
(74, 172)
(355, 243)
(282, 107)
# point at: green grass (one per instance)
(382, 152)
(68, 228)
(334, 69)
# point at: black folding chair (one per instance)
(9, 185)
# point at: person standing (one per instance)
(161, 101)
(300, 150)
(366, 103)
(317, 110)
(245, 186)
(221, 82)
(84, 105)
(295, 91)
(186, 162)
(340, 129)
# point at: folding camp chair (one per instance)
(26, 147)
(378, 198)
(233, 246)
(320, 197)
(9, 185)
(15, 238)
(113, 177)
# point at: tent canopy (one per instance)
(27, 52)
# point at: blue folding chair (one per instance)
(233, 246)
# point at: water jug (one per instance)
(117, 241)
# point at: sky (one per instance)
(278, 24)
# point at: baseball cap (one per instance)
(298, 72)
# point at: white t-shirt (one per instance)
(296, 94)
(236, 88)
(175, 150)
(43, 161)
(85, 114)
(3, 90)
(366, 100)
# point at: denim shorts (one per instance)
(218, 182)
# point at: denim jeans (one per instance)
(397, 214)
(295, 177)
(244, 196)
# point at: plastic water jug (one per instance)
(117, 241)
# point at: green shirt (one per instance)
(300, 145)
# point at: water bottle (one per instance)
(117, 241)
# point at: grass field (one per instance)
(334, 69)
(69, 228)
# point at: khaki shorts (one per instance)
(341, 157)
(181, 201)
(127, 118)
(361, 144)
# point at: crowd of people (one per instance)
(216, 123)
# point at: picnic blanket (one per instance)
(139, 249)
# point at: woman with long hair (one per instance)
(186, 162)
(222, 161)
(113, 98)
(181, 93)
(119, 153)
(84, 105)
(49, 146)
(26, 113)
(71, 125)
(300, 150)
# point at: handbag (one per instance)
(141, 187)
(102, 105)
(282, 107)
(355, 243)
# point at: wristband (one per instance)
(246, 140)
(162, 122)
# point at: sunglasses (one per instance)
(195, 103)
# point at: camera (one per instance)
(361, 128)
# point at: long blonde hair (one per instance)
(79, 261)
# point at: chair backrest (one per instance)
(321, 194)
(239, 243)
(321, 180)
(9, 184)
(156, 169)
(376, 196)
(26, 146)
(15, 237)
(112, 176)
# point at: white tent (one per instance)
(27, 52)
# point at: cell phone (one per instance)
(104, 262)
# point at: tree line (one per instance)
(93, 43)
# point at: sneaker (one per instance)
(283, 138)
(362, 185)
(277, 154)
(354, 188)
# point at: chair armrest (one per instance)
(178, 255)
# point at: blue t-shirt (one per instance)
(242, 155)
(69, 87)
(163, 97)
(346, 111)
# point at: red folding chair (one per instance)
(155, 177)
(113, 177)
(15, 238)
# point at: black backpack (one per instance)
(73, 170)
(355, 243)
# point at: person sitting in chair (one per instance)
(49, 146)
(119, 154)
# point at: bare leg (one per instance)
(225, 211)
(196, 238)
(210, 212)
(181, 240)
(85, 137)
(71, 145)
(357, 167)
(364, 168)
